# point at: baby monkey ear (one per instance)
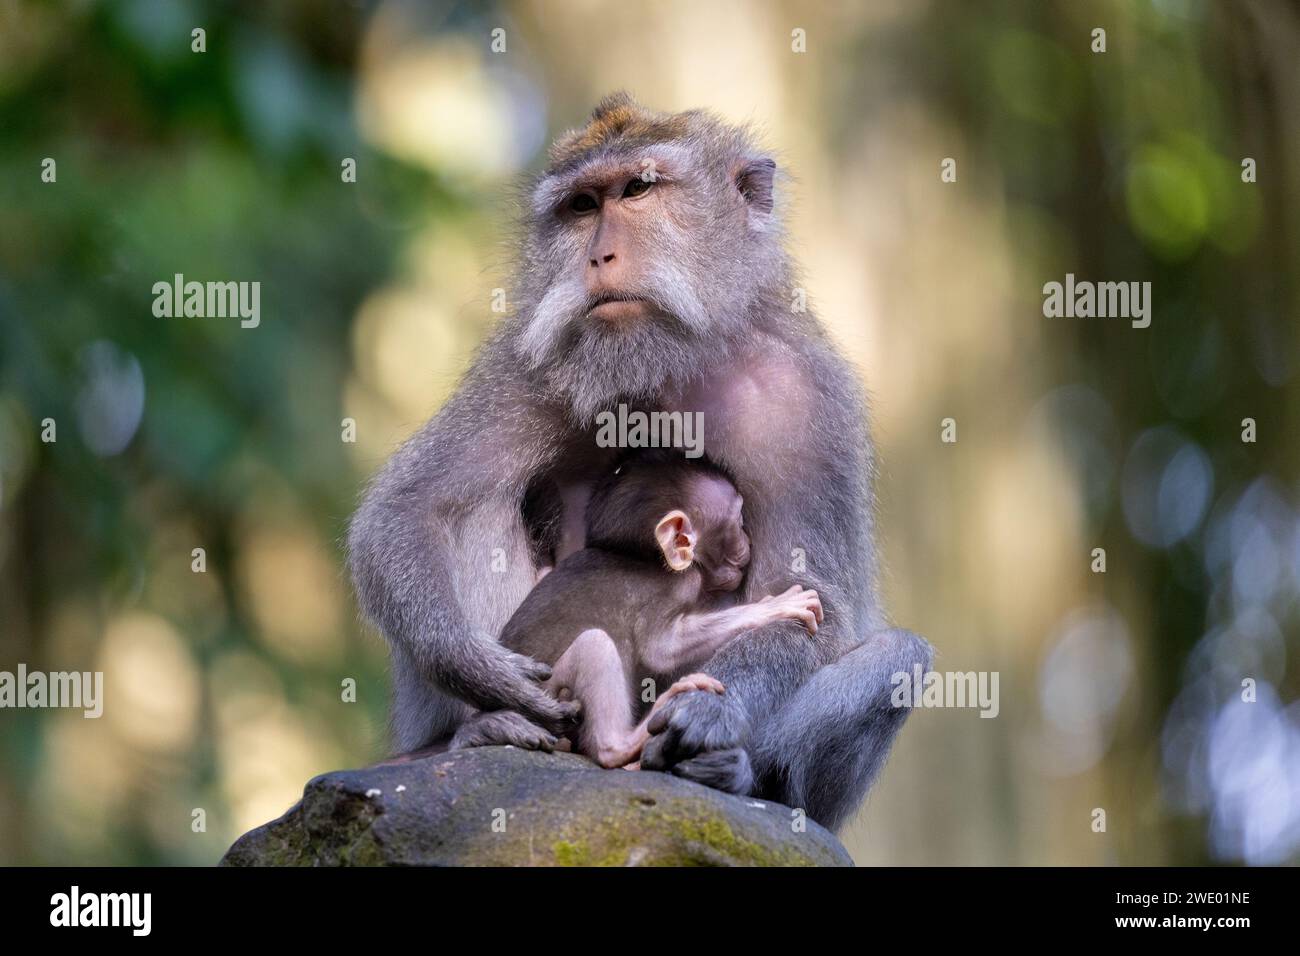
(676, 537)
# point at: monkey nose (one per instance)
(602, 260)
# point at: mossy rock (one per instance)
(500, 806)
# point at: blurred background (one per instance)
(1120, 690)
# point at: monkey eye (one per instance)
(636, 186)
(582, 204)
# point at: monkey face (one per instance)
(723, 550)
(611, 214)
(723, 566)
(617, 237)
(651, 237)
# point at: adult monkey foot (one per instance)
(726, 770)
(698, 736)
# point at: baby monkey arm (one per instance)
(695, 637)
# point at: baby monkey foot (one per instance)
(796, 604)
(625, 752)
(688, 683)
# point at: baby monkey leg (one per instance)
(593, 672)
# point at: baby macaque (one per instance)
(612, 614)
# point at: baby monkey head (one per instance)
(659, 505)
(651, 237)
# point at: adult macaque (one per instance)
(651, 272)
(647, 597)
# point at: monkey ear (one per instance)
(754, 180)
(676, 537)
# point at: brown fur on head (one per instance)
(651, 248)
(617, 116)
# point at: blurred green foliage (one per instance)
(221, 166)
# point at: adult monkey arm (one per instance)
(421, 551)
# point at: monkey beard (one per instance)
(602, 365)
(590, 366)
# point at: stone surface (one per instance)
(557, 809)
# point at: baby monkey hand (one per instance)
(796, 604)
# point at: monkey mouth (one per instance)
(618, 306)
